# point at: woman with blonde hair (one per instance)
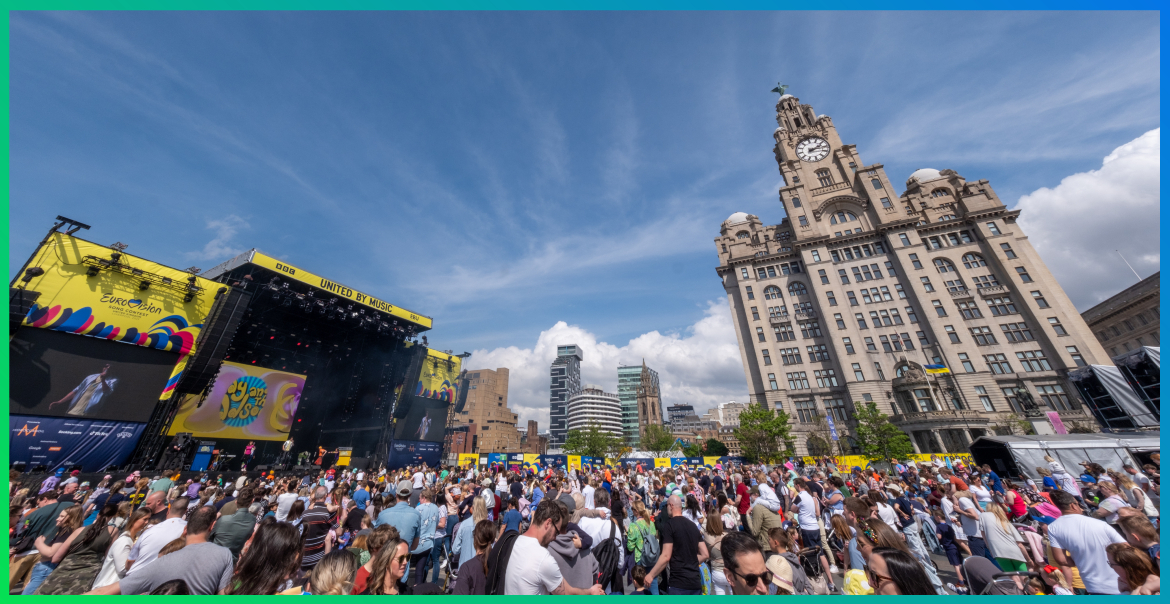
(713, 536)
(333, 575)
(464, 542)
(68, 523)
(1004, 542)
(636, 534)
(1136, 496)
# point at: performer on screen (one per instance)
(286, 451)
(424, 426)
(89, 393)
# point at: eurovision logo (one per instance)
(243, 402)
(129, 303)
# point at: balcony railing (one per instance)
(993, 290)
(805, 314)
(945, 415)
(837, 186)
(960, 293)
(778, 319)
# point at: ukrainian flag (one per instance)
(936, 369)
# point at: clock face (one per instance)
(812, 149)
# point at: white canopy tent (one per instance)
(1016, 455)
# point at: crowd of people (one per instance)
(789, 528)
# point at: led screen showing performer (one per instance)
(436, 390)
(68, 375)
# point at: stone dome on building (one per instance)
(924, 175)
(736, 218)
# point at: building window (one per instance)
(852, 299)
(950, 329)
(860, 320)
(784, 333)
(1023, 272)
(877, 184)
(772, 293)
(755, 314)
(985, 281)
(797, 380)
(818, 352)
(922, 339)
(767, 357)
(842, 217)
(969, 310)
(926, 284)
(796, 202)
(943, 265)
(1076, 355)
(824, 178)
(983, 398)
(839, 320)
(1142, 318)
(816, 256)
(790, 356)
(823, 276)
(832, 299)
(998, 363)
(938, 308)
(724, 248)
(881, 375)
(905, 240)
(1001, 306)
(853, 166)
(826, 378)
(797, 289)
(843, 275)
(803, 221)
(966, 361)
(848, 345)
(1016, 332)
(777, 312)
(750, 295)
(994, 230)
(914, 261)
(772, 381)
(869, 345)
(925, 403)
(973, 261)
(955, 285)
(1055, 398)
(901, 292)
(983, 336)
(760, 334)
(1059, 329)
(810, 329)
(1033, 360)
(743, 235)
(836, 408)
(806, 411)
(1007, 251)
(857, 374)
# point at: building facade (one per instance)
(595, 407)
(675, 413)
(532, 441)
(630, 381)
(858, 288)
(565, 381)
(1129, 319)
(649, 399)
(487, 409)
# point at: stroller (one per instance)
(984, 579)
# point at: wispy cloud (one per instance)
(221, 245)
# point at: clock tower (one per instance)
(826, 185)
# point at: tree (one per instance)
(658, 440)
(1018, 423)
(693, 450)
(715, 448)
(820, 439)
(878, 438)
(591, 441)
(762, 432)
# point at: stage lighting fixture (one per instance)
(115, 257)
(286, 301)
(190, 296)
(144, 285)
(92, 271)
(137, 272)
(105, 263)
(192, 280)
(29, 274)
(167, 281)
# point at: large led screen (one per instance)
(245, 402)
(59, 374)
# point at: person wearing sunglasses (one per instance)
(743, 565)
(893, 572)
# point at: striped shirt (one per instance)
(316, 528)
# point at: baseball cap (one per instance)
(75, 472)
(404, 488)
(455, 491)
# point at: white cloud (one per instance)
(701, 367)
(221, 246)
(1077, 225)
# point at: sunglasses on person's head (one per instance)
(751, 580)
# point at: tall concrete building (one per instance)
(859, 287)
(487, 408)
(1128, 319)
(595, 407)
(565, 381)
(637, 382)
(675, 413)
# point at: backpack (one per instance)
(497, 564)
(650, 549)
(607, 556)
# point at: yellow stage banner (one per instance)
(575, 462)
(439, 377)
(304, 276)
(661, 462)
(468, 459)
(965, 457)
(96, 291)
(531, 460)
(710, 461)
(245, 402)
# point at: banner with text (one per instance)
(245, 402)
(63, 443)
(468, 459)
(412, 453)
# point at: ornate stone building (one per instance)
(649, 400)
(859, 288)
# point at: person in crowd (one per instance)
(472, 578)
(1004, 542)
(333, 575)
(270, 562)
(388, 568)
(894, 572)
(316, 529)
(49, 544)
(117, 557)
(743, 565)
(807, 510)
(1141, 533)
(1085, 538)
(204, 566)
(79, 559)
(531, 569)
(235, 530)
(428, 514)
(713, 535)
(146, 548)
(683, 549)
(375, 541)
(1132, 566)
(464, 543)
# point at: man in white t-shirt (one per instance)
(532, 571)
(968, 513)
(1086, 539)
(588, 492)
(153, 539)
(284, 502)
(418, 479)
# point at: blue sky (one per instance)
(504, 172)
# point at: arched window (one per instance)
(743, 235)
(772, 293)
(842, 217)
(877, 184)
(797, 289)
(940, 193)
(973, 261)
(944, 266)
(824, 177)
(901, 370)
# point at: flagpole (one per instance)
(955, 381)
